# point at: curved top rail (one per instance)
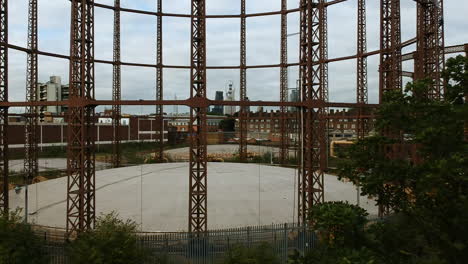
(153, 13)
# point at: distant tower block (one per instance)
(230, 96)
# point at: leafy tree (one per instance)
(18, 243)
(338, 223)
(112, 241)
(426, 182)
(261, 254)
(227, 125)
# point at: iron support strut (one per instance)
(243, 113)
(81, 212)
(362, 88)
(159, 155)
(4, 201)
(116, 90)
(31, 120)
(284, 131)
(311, 188)
(430, 55)
(198, 125)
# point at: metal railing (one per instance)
(210, 248)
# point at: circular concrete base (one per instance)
(156, 195)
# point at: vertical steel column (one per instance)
(284, 132)
(243, 120)
(323, 7)
(4, 110)
(197, 125)
(311, 188)
(159, 155)
(81, 121)
(362, 94)
(390, 66)
(390, 46)
(31, 127)
(116, 90)
(430, 55)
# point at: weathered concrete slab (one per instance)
(157, 195)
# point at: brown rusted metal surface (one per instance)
(313, 104)
(198, 211)
(159, 155)
(390, 46)
(81, 124)
(4, 109)
(313, 129)
(116, 90)
(243, 122)
(362, 93)
(430, 55)
(31, 120)
(284, 131)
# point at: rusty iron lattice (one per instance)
(116, 90)
(362, 125)
(159, 155)
(198, 210)
(4, 109)
(390, 46)
(243, 120)
(390, 68)
(81, 121)
(313, 105)
(430, 55)
(284, 131)
(31, 126)
(311, 188)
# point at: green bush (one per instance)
(261, 254)
(338, 223)
(112, 241)
(18, 243)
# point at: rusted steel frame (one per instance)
(390, 46)
(351, 57)
(311, 189)
(159, 155)
(81, 123)
(198, 125)
(324, 71)
(158, 13)
(116, 90)
(243, 123)
(362, 127)
(31, 118)
(284, 132)
(4, 199)
(390, 67)
(335, 2)
(189, 102)
(430, 55)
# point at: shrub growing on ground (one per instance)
(18, 243)
(261, 254)
(112, 241)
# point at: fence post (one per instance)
(285, 244)
(248, 237)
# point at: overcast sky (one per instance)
(223, 36)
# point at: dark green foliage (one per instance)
(428, 185)
(227, 125)
(261, 254)
(338, 223)
(113, 241)
(18, 243)
(323, 255)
